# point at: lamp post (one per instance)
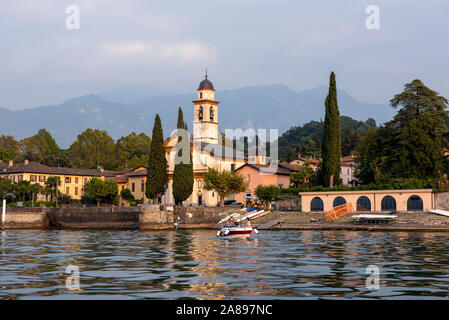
(4, 212)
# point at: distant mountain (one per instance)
(264, 107)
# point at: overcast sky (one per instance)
(166, 45)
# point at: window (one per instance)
(133, 187)
(142, 186)
(32, 178)
(41, 178)
(211, 114)
(68, 179)
(76, 180)
(201, 95)
(316, 204)
(67, 190)
(20, 177)
(363, 204)
(76, 191)
(388, 203)
(338, 201)
(414, 203)
(200, 114)
(85, 180)
(348, 171)
(232, 167)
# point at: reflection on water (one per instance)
(193, 264)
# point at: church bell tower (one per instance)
(205, 119)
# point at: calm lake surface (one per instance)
(194, 264)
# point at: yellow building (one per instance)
(72, 179)
(133, 179)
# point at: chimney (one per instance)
(11, 163)
(26, 162)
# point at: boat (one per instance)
(235, 231)
(232, 228)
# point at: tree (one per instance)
(127, 195)
(350, 140)
(157, 178)
(61, 160)
(224, 183)
(267, 193)
(303, 176)
(93, 148)
(6, 187)
(100, 190)
(23, 189)
(133, 150)
(331, 146)
(51, 188)
(410, 145)
(9, 148)
(418, 129)
(183, 172)
(39, 146)
(35, 189)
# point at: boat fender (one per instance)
(255, 230)
(226, 232)
(218, 233)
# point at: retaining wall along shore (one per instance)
(26, 218)
(148, 217)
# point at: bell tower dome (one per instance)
(205, 119)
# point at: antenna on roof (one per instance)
(206, 73)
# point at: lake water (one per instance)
(194, 264)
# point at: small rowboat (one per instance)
(236, 232)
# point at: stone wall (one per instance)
(26, 218)
(92, 217)
(148, 217)
(288, 204)
(442, 200)
(152, 217)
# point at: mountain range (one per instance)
(261, 107)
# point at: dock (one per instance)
(268, 225)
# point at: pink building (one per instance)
(260, 174)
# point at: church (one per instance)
(205, 147)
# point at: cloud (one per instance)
(158, 52)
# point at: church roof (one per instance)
(206, 84)
(221, 151)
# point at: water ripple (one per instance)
(194, 264)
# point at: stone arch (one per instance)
(317, 204)
(200, 113)
(415, 203)
(338, 201)
(211, 114)
(388, 204)
(363, 204)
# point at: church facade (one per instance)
(205, 147)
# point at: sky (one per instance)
(166, 45)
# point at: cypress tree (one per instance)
(157, 177)
(183, 172)
(331, 147)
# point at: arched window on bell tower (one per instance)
(200, 114)
(211, 114)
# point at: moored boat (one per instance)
(231, 232)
